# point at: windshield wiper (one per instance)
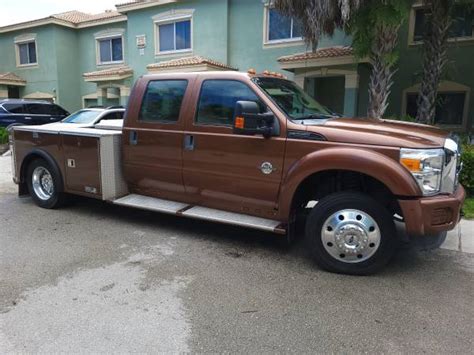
(316, 116)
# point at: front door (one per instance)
(153, 139)
(13, 92)
(224, 170)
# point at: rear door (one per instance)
(224, 170)
(153, 136)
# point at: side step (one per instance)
(238, 219)
(150, 204)
(198, 212)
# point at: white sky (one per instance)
(13, 11)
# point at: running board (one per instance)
(237, 219)
(198, 212)
(150, 204)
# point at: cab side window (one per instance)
(217, 101)
(162, 101)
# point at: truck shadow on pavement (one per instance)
(237, 242)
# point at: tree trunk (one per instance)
(434, 59)
(383, 61)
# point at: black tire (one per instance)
(329, 206)
(57, 197)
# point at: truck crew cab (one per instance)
(255, 151)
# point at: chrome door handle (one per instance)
(133, 138)
(27, 118)
(189, 142)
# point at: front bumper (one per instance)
(432, 215)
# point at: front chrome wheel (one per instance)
(350, 236)
(42, 182)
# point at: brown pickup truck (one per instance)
(255, 151)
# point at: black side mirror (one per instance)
(249, 121)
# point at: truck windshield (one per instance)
(82, 116)
(297, 104)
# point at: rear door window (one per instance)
(162, 101)
(39, 109)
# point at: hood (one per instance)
(380, 132)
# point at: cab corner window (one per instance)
(162, 101)
(217, 101)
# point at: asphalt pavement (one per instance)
(94, 277)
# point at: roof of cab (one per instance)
(217, 73)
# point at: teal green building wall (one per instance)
(42, 77)
(87, 50)
(459, 70)
(246, 39)
(67, 61)
(209, 22)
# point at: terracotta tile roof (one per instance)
(74, 19)
(115, 71)
(133, 2)
(329, 52)
(77, 17)
(128, 3)
(189, 61)
(12, 78)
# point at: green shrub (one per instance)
(467, 173)
(3, 135)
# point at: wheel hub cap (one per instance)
(42, 182)
(350, 236)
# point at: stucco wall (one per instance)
(209, 24)
(42, 77)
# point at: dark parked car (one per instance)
(29, 112)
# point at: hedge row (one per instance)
(3, 135)
(467, 173)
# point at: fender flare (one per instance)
(39, 153)
(388, 171)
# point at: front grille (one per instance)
(452, 166)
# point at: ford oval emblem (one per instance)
(266, 168)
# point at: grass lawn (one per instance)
(469, 208)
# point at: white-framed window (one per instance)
(26, 53)
(279, 28)
(174, 35)
(452, 104)
(461, 29)
(110, 49)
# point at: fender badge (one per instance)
(267, 168)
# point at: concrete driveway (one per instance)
(94, 277)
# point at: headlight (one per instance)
(426, 166)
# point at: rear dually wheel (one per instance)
(44, 184)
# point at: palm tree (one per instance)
(434, 57)
(319, 17)
(374, 26)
